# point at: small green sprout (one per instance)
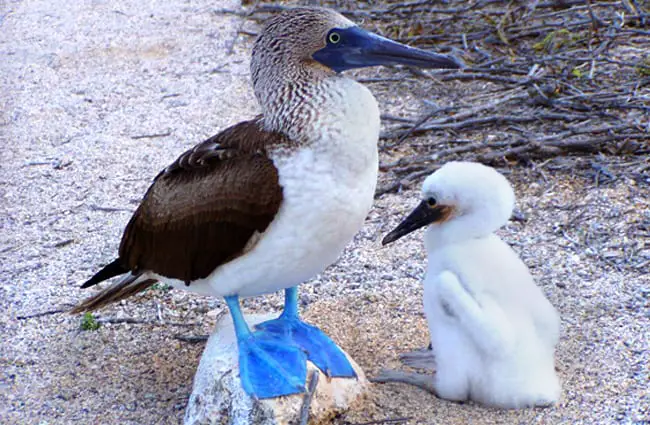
(159, 286)
(554, 40)
(88, 322)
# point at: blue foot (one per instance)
(321, 350)
(268, 366)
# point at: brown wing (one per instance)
(203, 210)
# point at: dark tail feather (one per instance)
(126, 287)
(110, 270)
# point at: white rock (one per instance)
(218, 397)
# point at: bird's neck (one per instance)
(292, 96)
(458, 230)
(331, 114)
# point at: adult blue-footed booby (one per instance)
(493, 333)
(268, 203)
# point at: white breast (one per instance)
(519, 369)
(328, 187)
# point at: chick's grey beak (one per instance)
(421, 216)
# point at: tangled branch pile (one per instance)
(557, 77)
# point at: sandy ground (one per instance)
(97, 97)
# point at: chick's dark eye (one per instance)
(334, 37)
(431, 202)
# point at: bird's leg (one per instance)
(267, 367)
(421, 359)
(419, 380)
(320, 349)
(291, 303)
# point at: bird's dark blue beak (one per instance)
(356, 48)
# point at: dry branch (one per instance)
(309, 395)
(557, 78)
(570, 89)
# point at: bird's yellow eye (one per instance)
(334, 37)
(431, 202)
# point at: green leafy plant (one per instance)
(88, 322)
(159, 286)
(553, 41)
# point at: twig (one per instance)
(35, 163)
(491, 119)
(231, 45)
(418, 166)
(418, 124)
(387, 421)
(642, 15)
(159, 313)
(306, 402)
(516, 94)
(192, 339)
(380, 80)
(134, 321)
(44, 313)
(405, 182)
(109, 209)
(151, 136)
(388, 117)
(63, 243)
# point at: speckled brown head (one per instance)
(307, 44)
(292, 38)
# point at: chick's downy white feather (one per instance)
(493, 332)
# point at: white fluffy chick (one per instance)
(493, 333)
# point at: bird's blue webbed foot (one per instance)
(271, 368)
(320, 349)
(268, 366)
